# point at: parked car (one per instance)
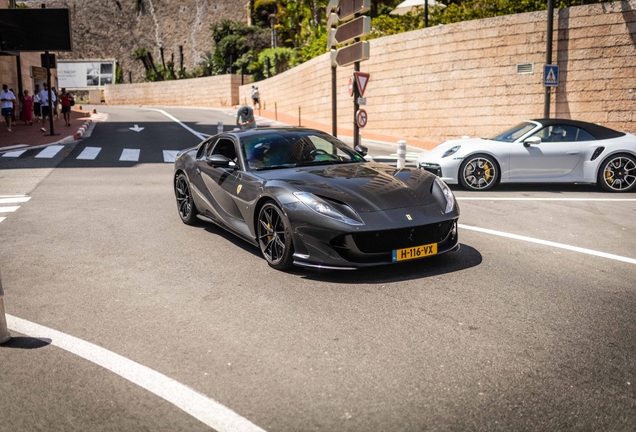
(305, 198)
(538, 151)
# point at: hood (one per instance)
(364, 187)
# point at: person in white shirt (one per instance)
(44, 103)
(7, 99)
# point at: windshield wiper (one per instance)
(273, 167)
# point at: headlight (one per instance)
(448, 194)
(451, 151)
(321, 206)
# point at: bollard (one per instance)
(401, 154)
(4, 332)
(219, 127)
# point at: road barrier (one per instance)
(4, 332)
(401, 154)
(219, 127)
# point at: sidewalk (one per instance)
(25, 136)
(342, 131)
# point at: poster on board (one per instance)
(85, 74)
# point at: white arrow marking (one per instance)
(136, 128)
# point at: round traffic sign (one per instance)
(361, 118)
(351, 86)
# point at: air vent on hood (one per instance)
(525, 68)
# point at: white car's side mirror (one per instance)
(535, 140)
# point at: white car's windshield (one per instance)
(514, 133)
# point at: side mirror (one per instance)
(362, 150)
(220, 161)
(535, 140)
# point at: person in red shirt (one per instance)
(66, 99)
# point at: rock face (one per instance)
(107, 29)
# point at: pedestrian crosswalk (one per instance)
(92, 153)
(8, 204)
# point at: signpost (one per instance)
(353, 28)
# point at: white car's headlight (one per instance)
(321, 206)
(451, 151)
(448, 194)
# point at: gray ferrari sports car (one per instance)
(305, 198)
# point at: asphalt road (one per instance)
(506, 334)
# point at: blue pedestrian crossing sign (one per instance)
(550, 75)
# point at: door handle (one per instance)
(573, 152)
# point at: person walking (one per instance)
(36, 104)
(7, 101)
(245, 118)
(15, 110)
(27, 108)
(56, 102)
(66, 99)
(44, 104)
(256, 98)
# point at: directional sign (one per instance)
(550, 75)
(359, 51)
(349, 8)
(361, 118)
(359, 27)
(362, 79)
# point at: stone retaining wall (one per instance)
(216, 91)
(448, 81)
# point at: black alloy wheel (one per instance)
(274, 237)
(618, 173)
(185, 205)
(478, 172)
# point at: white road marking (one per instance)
(549, 243)
(170, 155)
(89, 153)
(14, 200)
(15, 154)
(130, 155)
(49, 152)
(542, 199)
(188, 128)
(2, 218)
(199, 406)
(9, 209)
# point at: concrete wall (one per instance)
(460, 79)
(216, 91)
(447, 81)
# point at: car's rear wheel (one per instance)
(618, 173)
(185, 204)
(274, 237)
(478, 172)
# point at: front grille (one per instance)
(386, 241)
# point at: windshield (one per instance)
(514, 133)
(292, 149)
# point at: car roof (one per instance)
(597, 131)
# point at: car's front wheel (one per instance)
(274, 237)
(478, 172)
(185, 204)
(618, 173)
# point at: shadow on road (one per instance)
(25, 342)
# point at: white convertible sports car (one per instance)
(538, 151)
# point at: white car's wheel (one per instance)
(478, 172)
(618, 173)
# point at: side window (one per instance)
(584, 136)
(205, 148)
(557, 133)
(226, 148)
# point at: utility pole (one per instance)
(548, 56)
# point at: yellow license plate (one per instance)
(414, 252)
